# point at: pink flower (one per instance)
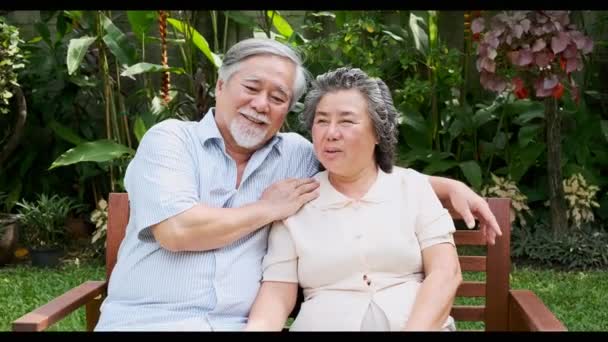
(477, 25)
(543, 58)
(559, 43)
(539, 44)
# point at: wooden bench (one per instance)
(505, 309)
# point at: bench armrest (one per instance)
(55, 310)
(528, 313)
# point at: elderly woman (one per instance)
(375, 250)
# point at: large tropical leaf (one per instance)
(421, 39)
(76, 50)
(139, 128)
(438, 166)
(523, 159)
(241, 18)
(140, 68)
(472, 173)
(280, 24)
(141, 21)
(117, 42)
(197, 39)
(93, 151)
(527, 134)
(65, 133)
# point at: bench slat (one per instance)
(470, 313)
(472, 289)
(473, 263)
(469, 237)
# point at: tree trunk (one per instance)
(15, 138)
(554, 150)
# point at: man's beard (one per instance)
(246, 134)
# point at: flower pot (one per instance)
(46, 257)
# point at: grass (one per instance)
(24, 288)
(578, 299)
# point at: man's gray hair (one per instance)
(379, 104)
(265, 46)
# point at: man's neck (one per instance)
(239, 154)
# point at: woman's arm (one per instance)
(436, 295)
(463, 202)
(272, 306)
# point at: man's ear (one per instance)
(219, 86)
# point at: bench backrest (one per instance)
(496, 263)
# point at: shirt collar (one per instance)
(330, 198)
(208, 130)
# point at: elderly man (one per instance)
(202, 195)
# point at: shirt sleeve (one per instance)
(161, 179)
(281, 261)
(434, 224)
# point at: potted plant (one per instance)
(43, 225)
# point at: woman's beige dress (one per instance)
(359, 262)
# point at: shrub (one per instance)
(581, 199)
(43, 221)
(11, 60)
(582, 248)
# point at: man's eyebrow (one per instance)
(256, 79)
(252, 79)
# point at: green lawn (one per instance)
(577, 298)
(23, 288)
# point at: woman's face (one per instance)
(343, 134)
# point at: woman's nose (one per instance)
(333, 132)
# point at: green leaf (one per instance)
(76, 50)
(604, 125)
(83, 81)
(93, 151)
(197, 39)
(44, 32)
(139, 128)
(141, 21)
(392, 35)
(482, 116)
(527, 134)
(523, 118)
(117, 42)
(456, 128)
(280, 24)
(472, 172)
(66, 133)
(323, 14)
(523, 159)
(140, 68)
(439, 166)
(416, 121)
(75, 15)
(241, 18)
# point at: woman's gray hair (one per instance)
(265, 46)
(379, 103)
